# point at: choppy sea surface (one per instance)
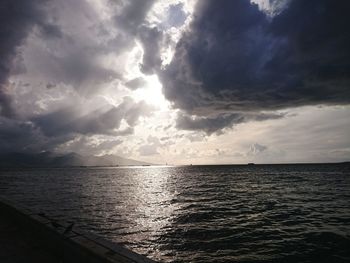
(260, 213)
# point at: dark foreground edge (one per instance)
(70, 245)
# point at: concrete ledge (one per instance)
(74, 245)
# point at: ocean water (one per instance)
(261, 213)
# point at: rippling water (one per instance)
(261, 213)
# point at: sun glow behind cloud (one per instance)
(91, 66)
(151, 93)
(151, 89)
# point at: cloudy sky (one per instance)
(177, 81)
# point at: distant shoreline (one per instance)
(160, 165)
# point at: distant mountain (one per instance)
(49, 159)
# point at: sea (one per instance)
(214, 213)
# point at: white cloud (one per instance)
(94, 63)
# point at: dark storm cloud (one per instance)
(74, 56)
(49, 131)
(51, 31)
(101, 121)
(235, 57)
(129, 18)
(208, 125)
(217, 123)
(133, 15)
(136, 83)
(78, 62)
(132, 21)
(86, 144)
(151, 39)
(70, 54)
(16, 135)
(79, 67)
(63, 45)
(24, 136)
(17, 18)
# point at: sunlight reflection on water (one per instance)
(266, 213)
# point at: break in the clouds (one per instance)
(235, 57)
(156, 79)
